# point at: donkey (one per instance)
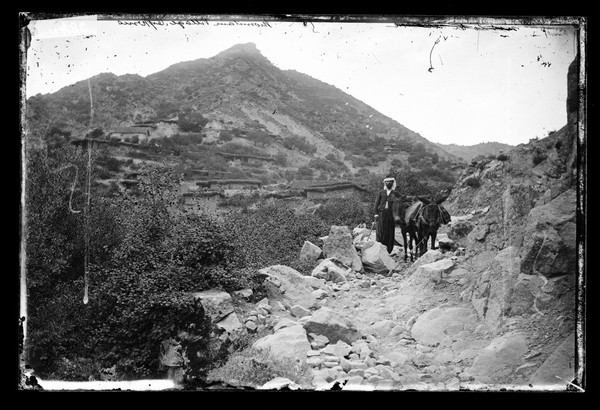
(407, 226)
(428, 219)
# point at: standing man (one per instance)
(386, 226)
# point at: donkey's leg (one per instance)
(403, 231)
(433, 235)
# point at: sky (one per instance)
(479, 81)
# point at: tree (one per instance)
(191, 121)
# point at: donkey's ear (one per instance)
(423, 199)
(442, 199)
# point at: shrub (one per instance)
(349, 212)
(473, 182)
(300, 143)
(502, 157)
(271, 235)
(225, 136)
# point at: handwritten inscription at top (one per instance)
(193, 22)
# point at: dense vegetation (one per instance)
(147, 253)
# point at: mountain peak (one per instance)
(246, 49)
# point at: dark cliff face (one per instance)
(573, 102)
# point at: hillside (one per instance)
(239, 98)
(468, 152)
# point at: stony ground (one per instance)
(425, 337)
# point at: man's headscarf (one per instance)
(389, 179)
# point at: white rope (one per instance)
(87, 207)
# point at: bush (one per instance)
(271, 235)
(349, 212)
(300, 143)
(473, 182)
(502, 157)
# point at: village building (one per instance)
(230, 187)
(322, 193)
(245, 158)
(202, 202)
(142, 134)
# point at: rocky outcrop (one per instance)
(496, 363)
(559, 369)
(491, 293)
(433, 326)
(549, 247)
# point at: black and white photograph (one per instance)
(302, 203)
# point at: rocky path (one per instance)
(366, 320)
(411, 328)
(385, 309)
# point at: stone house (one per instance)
(321, 193)
(230, 184)
(141, 132)
(245, 158)
(202, 202)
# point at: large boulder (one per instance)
(497, 362)
(549, 246)
(434, 325)
(289, 342)
(333, 325)
(288, 286)
(339, 244)
(430, 273)
(376, 259)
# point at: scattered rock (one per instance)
(310, 252)
(376, 259)
(333, 325)
(299, 311)
(331, 269)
